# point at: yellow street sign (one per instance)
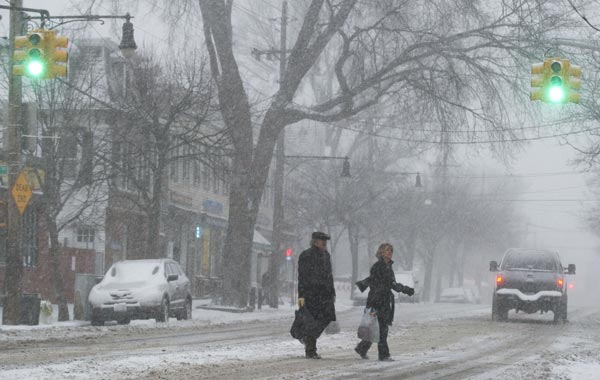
(21, 192)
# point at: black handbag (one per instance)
(305, 325)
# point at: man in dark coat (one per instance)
(315, 288)
(381, 281)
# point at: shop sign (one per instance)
(213, 207)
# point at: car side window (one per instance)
(177, 269)
(173, 269)
(168, 271)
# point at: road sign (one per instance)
(21, 192)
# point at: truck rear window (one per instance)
(543, 261)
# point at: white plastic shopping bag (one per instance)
(369, 326)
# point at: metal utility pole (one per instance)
(278, 214)
(14, 263)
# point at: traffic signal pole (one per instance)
(278, 213)
(13, 278)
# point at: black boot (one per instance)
(363, 355)
(310, 347)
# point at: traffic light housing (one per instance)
(57, 54)
(30, 55)
(555, 81)
(40, 55)
(288, 253)
(574, 83)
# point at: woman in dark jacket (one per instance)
(381, 299)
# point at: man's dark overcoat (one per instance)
(315, 284)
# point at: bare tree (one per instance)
(72, 180)
(457, 56)
(164, 118)
(461, 47)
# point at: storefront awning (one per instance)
(260, 242)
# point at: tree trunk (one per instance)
(410, 243)
(152, 251)
(438, 286)
(238, 245)
(428, 276)
(353, 231)
(55, 256)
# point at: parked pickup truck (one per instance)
(530, 280)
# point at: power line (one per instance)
(498, 141)
(528, 175)
(537, 200)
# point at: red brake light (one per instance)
(571, 285)
(499, 279)
(560, 282)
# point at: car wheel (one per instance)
(124, 320)
(187, 311)
(163, 312)
(97, 321)
(96, 317)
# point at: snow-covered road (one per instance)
(428, 341)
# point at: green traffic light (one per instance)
(556, 92)
(35, 68)
(35, 65)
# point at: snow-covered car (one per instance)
(530, 280)
(457, 295)
(141, 289)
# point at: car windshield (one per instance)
(132, 271)
(541, 261)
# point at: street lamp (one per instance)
(346, 169)
(127, 44)
(417, 178)
(345, 166)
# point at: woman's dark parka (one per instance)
(381, 282)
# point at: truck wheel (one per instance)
(560, 314)
(499, 310)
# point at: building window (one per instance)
(175, 164)
(206, 171)
(29, 243)
(215, 176)
(185, 163)
(85, 234)
(196, 173)
(2, 245)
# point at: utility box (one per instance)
(30, 309)
(83, 284)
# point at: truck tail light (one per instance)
(560, 283)
(499, 280)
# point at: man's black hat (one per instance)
(320, 236)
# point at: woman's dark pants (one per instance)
(382, 346)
